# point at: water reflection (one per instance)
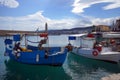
(81, 68)
(18, 71)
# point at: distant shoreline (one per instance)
(29, 33)
(12, 32)
(50, 32)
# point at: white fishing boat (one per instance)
(100, 46)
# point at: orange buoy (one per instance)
(69, 47)
(44, 35)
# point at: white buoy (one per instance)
(18, 54)
(37, 58)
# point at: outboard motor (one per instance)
(8, 47)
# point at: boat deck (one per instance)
(108, 53)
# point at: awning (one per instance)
(111, 35)
(90, 35)
(73, 37)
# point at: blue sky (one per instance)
(59, 14)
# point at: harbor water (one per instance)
(74, 67)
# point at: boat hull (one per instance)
(113, 57)
(39, 57)
(33, 55)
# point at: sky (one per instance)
(59, 14)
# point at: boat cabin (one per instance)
(82, 40)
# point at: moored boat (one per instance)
(43, 55)
(100, 46)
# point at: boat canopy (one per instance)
(90, 36)
(111, 35)
(73, 37)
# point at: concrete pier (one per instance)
(112, 77)
(11, 32)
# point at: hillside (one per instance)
(71, 31)
(51, 32)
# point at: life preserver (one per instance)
(9, 47)
(95, 53)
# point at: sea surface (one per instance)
(74, 67)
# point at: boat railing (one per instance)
(86, 46)
(106, 49)
(49, 49)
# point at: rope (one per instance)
(32, 41)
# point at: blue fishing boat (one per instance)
(34, 54)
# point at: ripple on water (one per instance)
(81, 69)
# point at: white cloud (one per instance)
(33, 21)
(100, 21)
(29, 22)
(80, 5)
(9, 3)
(115, 4)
